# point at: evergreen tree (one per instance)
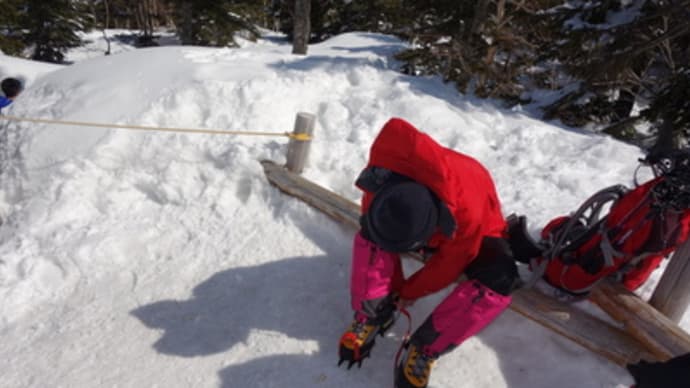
(333, 17)
(670, 113)
(323, 18)
(144, 11)
(51, 28)
(215, 22)
(476, 44)
(604, 56)
(384, 16)
(622, 53)
(10, 31)
(120, 14)
(301, 18)
(146, 16)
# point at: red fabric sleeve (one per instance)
(443, 268)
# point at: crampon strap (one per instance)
(349, 340)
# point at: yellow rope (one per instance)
(296, 136)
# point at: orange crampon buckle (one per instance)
(350, 350)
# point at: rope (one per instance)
(291, 135)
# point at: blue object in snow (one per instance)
(4, 101)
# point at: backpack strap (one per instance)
(613, 237)
(668, 228)
(606, 247)
(589, 215)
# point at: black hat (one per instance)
(11, 87)
(402, 216)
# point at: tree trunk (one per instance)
(106, 24)
(148, 12)
(302, 27)
(184, 23)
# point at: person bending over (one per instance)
(424, 198)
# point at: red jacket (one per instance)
(461, 182)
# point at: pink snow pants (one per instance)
(375, 274)
(469, 308)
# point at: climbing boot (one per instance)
(414, 369)
(358, 340)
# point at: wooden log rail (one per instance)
(646, 336)
(660, 335)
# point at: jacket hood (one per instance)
(401, 148)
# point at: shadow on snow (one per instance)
(303, 298)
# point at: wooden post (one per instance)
(298, 149)
(672, 295)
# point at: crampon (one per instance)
(356, 343)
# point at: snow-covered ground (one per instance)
(152, 259)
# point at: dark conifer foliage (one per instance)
(323, 18)
(51, 27)
(10, 27)
(384, 16)
(613, 65)
(480, 45)
(333, 17)
(620, 53)
(214, 22)
(669, 113)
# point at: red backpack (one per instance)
(616, 232)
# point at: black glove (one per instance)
(521, 243)
(674, 373)
(495, 267)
